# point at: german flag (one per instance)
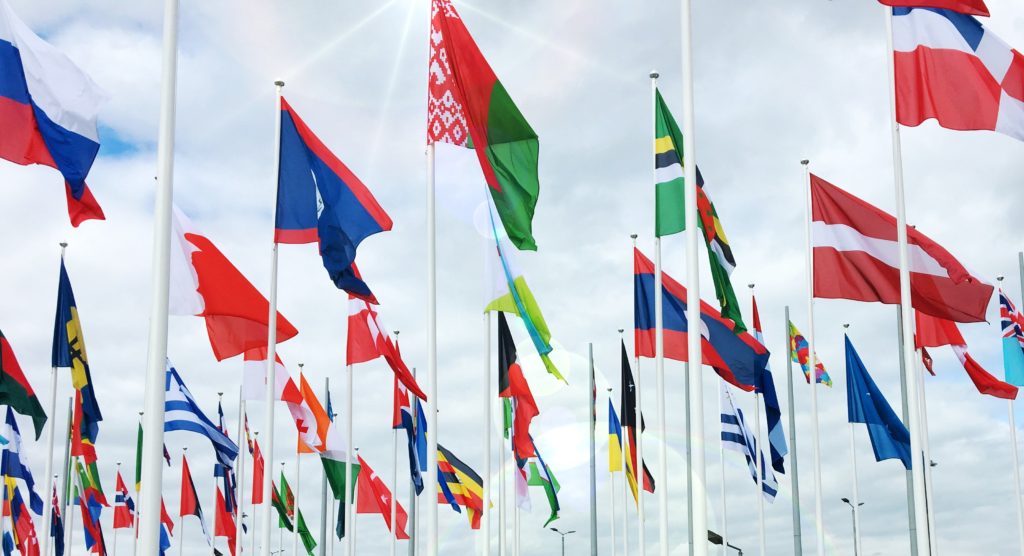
(459, 485)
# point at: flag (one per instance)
(333, 459)
(770, 399)
(138, 459)
(926, 359)
(182, 413)
(224, 522)
(951, 68)
(627, 410)
(736, 436)
(540, 475)
(670, 208)
(375, 498)
(509, 293)
(56, 525)
(1013, 340)
(735, 355)
(319, 200)
(856, 257)
(339, 526)
(11, 464)
(799, 352)
(866, 404)
(48, 112)
(69, 352)
(89, 483)
(459, 486)
(307, 538)
(24, 528)
(189, 500)
(614, 440)
(421, 437)
(468, 109)
(369, 339)
(513, 385)
(15, 390)
(311, 420)
(83, 432)
(257, 474)
(124, 507)
(245, 421)
(254, 378)
(971, 7)
(934, 332)
(204, 283)
(165, 517)
(283, 521)
(287, 497)
(91, 505)
(403, 419)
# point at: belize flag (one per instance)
(951, 68)
(48, 109)
(320, 200)
(738, 358)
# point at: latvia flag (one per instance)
(856, 257)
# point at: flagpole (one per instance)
(252, 538)
(298, 481)
(929, 495)
(394, 495)
(625, 481)
(355, 499)
(502, 492)
(67, 482)
(689, 456)
(812, 362)
(1013, 436)
(857, 550)
(488, 415)
(350, 454)
(413, 502)
(912, 527)
(798, 548)
(50, 435)
(721, 459)
(920, 512)
(638, 437)
(430, 483)
(271, 379)
(323, 485)
(157, 357)
(611, 488)
(181, 519)
(68, 537)
(593, 454)
(761, 471)
(240, 476)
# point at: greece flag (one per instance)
(181, 413)
(738, 438)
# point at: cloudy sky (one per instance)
(775, 83)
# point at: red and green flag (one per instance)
(15, 390)
(469, 108)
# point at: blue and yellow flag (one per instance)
(614, 440)
(69, 350)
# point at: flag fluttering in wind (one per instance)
(138, 459)
(1013, 340)
(866, 404)
(459, 486)
(333, 458)
(254, 379)
(670, 208)
(182, 413)
(799, 352)
(403, 419)
(513, 385)
(257, 474)
(540, 475)
(189, 499)
(69, 352)
(15, 391)
(204, 283)
(772, 409)
(736, 436)
(468, 110)
(307, 538)
(283, 520)
(952, 68)
(11, 464)
(374, 497)
(224, 522)
(971, 7)
(935, 332)
(124, 506)
(49, 112)
(24, 528)
(91, 502)
(311, 420)
(856, 257)
(319, 200)
(736, 356)
(369, 339)
(56, 525)
(287, 497)
(614, 440)
(627, 410)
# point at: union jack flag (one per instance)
(1012, 320)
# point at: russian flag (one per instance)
(48, 109)
(738, 358)
(320, 200)
(950, 68)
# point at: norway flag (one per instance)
(949, 67)
(320, 200)
(48, 110)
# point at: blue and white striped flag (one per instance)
(738, 438)
(11, 464)
(181, 413)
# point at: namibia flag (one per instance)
(15, 391)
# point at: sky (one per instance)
(774, 83)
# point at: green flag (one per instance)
(335, 471)
(307, 538)
(138, 460)
(540, 475)
(670, 213)
(283, 521)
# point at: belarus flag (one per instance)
(856, 257)
(48, 110)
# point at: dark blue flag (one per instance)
(889, 437)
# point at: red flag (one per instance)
(80, 446)
(512, 384)
(189, 500)
(124, 517)
(257, 474)
(165, 517)
(969, 7)
(368, 339)
(374, 497)
(926, 359)
(224, 522)
(856, 256)
(933, 332)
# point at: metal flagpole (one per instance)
(856, 488)
(502, 492)
(798, 548)
(394, 495)
(430, 483)
(50, 436)
(638, 438)
(252, 537)
(350, 510)
(592, 394)
(413, 501)
(920, 512)
(906, 419)
(721, 459)
(271, 379)
(659, 353)
(611, 491)
(240, 476)
(929, 495)
(69, 539)
(113, 552)
(323, 487)
(515, 530)
(488, 415)
(156, 362)
(1013, 436)
(812, 362)
(761, 470)
(689, 457)
(625, 481)
(213, 544)
(352, 531)
(66, 501)
(698, 491)
(298, 481)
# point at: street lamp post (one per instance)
(555, 529)
(853, 515)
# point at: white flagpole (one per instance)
(240, 476)
(698, 491)
(515, 530)
(68, 470)
(50, 436)
(798, 549)
(592, 420)
(927, 457)
(659, 356)
(1013, 438)
(298, 482)
(323, 487)
(68, 537)
(912, 526)
(430, 483)
(856, 494)
(812, 362)
(920, 504)
(502, 491)
(352, 533)
(271, 378)
(252, 537)
(350, 505)
(394, 485)
(485, 519)
(156, 362)
(611, 491)
(721, 459)
(761, 471)
(638, 438)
